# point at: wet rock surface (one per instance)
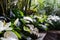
(52, 35)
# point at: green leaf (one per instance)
(41, 20)
(18, 34)
(45, 17)
(46, 24)
(41, 1)
(26, 29)
(21, 13)
(1, 32)
(23, 21)
(18, 13)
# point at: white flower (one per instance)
(17, 23)
(8, 39)
(9, 35)
(5, 26)
(28, 19)
(54, 18)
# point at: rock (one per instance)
(52, 35)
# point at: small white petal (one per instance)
(54, 18)
(10, 34)
(2, 38)
(28, 18)
(17, 22)
(1, 29)
(11, 39)
(1, 24)
(8, 24)
(9, 28)
(4, 27)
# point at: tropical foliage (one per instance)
(24, 19)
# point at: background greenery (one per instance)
(44, 15)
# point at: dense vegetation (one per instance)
(27, 18)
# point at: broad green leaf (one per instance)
(18, 34)
(23, 21)
(45, 16)
(1, 32)
(21, 13)
(41, 1)
(44, 27)
(41, 20)
(18, 13)
(26, 29)
(46, 24)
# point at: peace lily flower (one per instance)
(54, 18)
(5, 26)
(17, 22)
(28, 19)
(9, 35)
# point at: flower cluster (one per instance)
(8, 35)
(53, 18)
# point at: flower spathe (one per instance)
(54, 18)
(8, 39)
(5, 26)
(17, 22)
(28, 19)
(9, 35)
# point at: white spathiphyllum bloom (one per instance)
(9, 35)
(17, 22)
(54, 18)
(5, 26)
(28, 19)
(8, 39)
